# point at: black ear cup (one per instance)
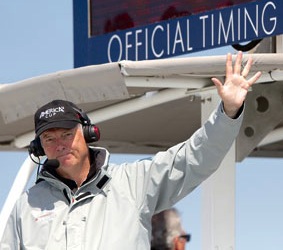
(35, 148)
(90, 131)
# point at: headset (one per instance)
(91, 134)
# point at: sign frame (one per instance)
(175, 37)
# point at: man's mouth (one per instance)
(61, 156)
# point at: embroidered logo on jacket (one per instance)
(48, 216)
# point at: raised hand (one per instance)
(235, 88)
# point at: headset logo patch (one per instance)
(51, 112)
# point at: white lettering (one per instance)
(128, 45)
(168, 39)
(239, 25)
(138, 44)
(203, 18)
(153, 40)
(222, 28)
(210, 29)
(188, 36)
(146, 43)
(51, 112)
(178, 38)
(117, 38)
(255, 27)
(273, 19)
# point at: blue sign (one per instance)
(203, 31)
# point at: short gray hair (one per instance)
(166, 226)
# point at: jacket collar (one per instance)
(97, 175)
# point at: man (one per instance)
(167, 231)
(87, 203)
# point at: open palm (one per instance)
(235, 88)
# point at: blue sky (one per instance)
(37, 38)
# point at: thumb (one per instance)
(216, 82)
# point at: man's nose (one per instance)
(60, 142)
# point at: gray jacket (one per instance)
(113, 209)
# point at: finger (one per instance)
(254, 78)
(238, 63)
(247, 67)
(229, 68)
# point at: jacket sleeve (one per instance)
(171, 175)
(10, 239)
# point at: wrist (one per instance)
(233, 113)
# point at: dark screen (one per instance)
(111, 15)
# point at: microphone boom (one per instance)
(52, 163)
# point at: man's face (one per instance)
(179, 243)
(68, 146)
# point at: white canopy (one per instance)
(147, 106)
